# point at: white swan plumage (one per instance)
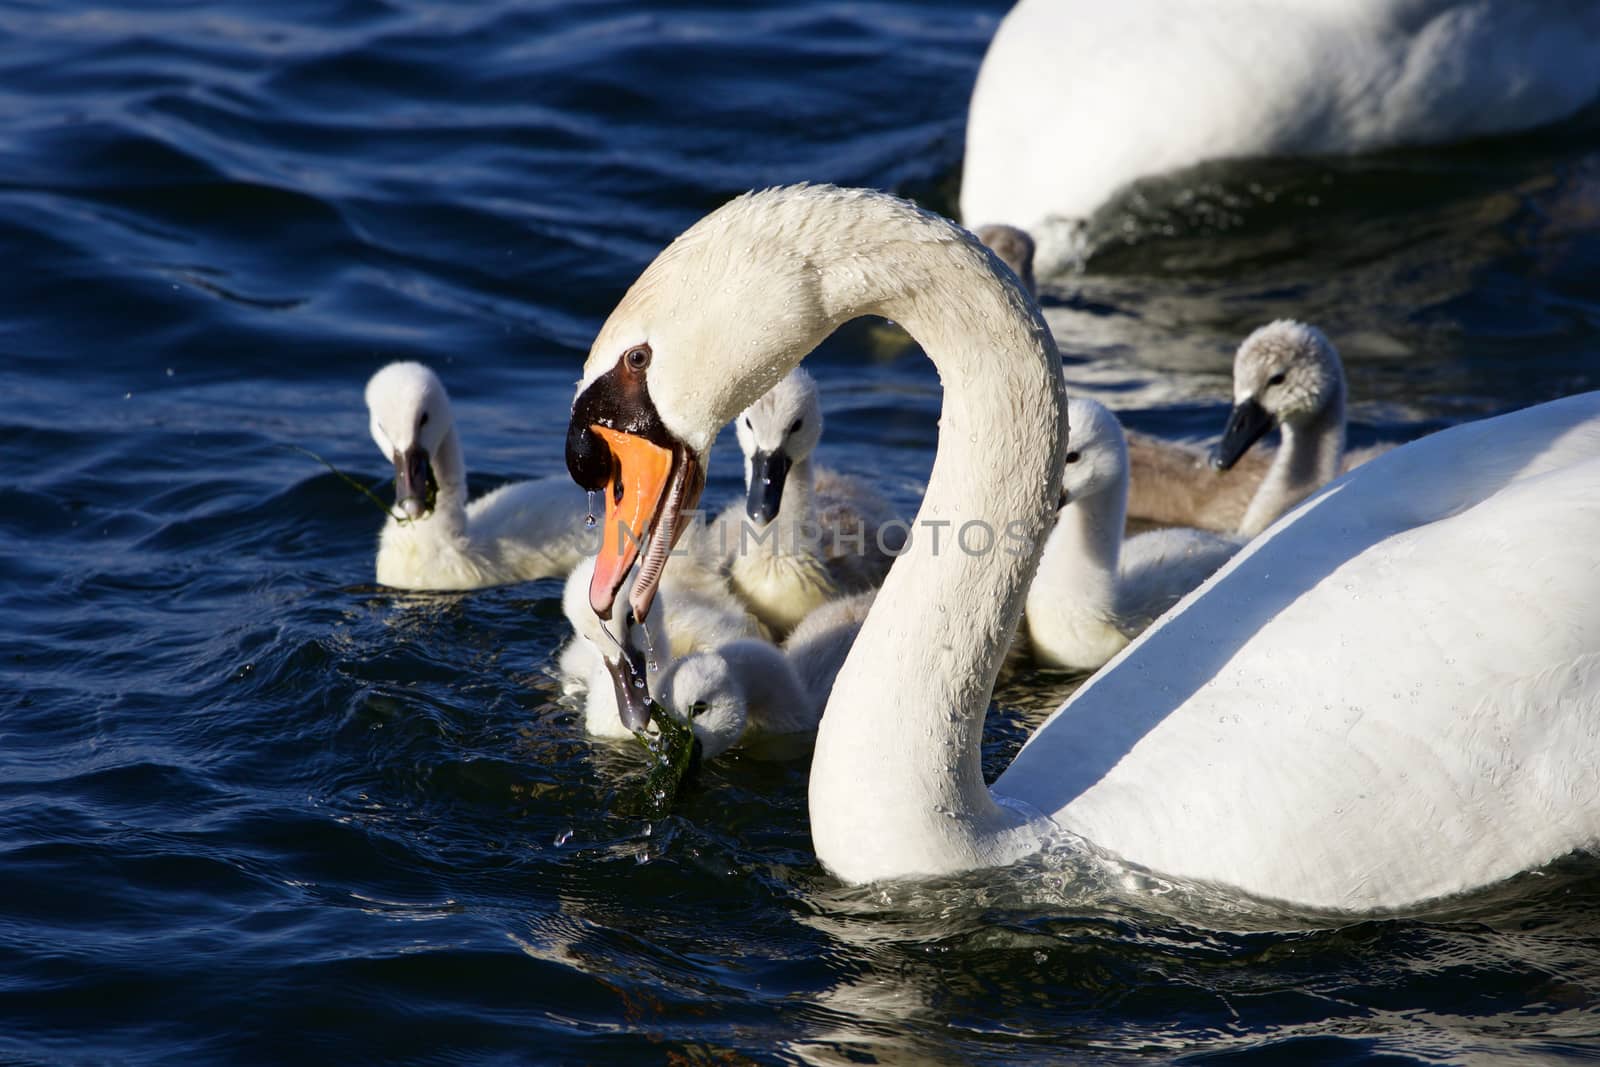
(434, 539)
(1391, 696)
(804, 535)
(1076, 98)
(1095, 590)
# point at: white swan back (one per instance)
(1390, 696)
(1076, 98)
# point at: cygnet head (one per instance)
(1015, 249)
(1097, 451)
(704, 691)
(1285, 373)
(619, 640)
(776, 432)
(410, 418)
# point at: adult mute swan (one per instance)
(1077, 98)
(434, 539)
(1391, 696)
(804, 535)
(1094, 591)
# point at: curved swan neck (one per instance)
(896, 783)
(450, 470)
(799, 493)
(1081, 558)
(1308, 459)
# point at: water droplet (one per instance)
(649, 649)
(589, 520)
(563, 837)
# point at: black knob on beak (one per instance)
(588, 458)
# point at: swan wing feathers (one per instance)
(860, 531)
(1171, 482)
(1388, 697)
(817, 647)
(1160, 567)
(533, 529)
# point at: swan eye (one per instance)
(748, 424)
(1072, 457)
(422, 421)
(637, 357)
(1276, 379)
(697, 708)
(794, 427)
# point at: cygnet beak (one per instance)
(1247, 422)
(415, 490)
(769, 471)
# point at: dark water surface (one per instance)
(254, 809)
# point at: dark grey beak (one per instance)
(1246, 423)
(629, 680)
(768, 472)
(414, 488)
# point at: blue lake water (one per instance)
(255, 809)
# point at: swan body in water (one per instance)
(436, 540)
(1094, 591)
(804, 535)
(1076, 98)
(1390, 696)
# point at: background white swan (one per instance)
(1076, 98)
(804, 535)
(434, 539)
(1094, 591)
(1391, 696)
